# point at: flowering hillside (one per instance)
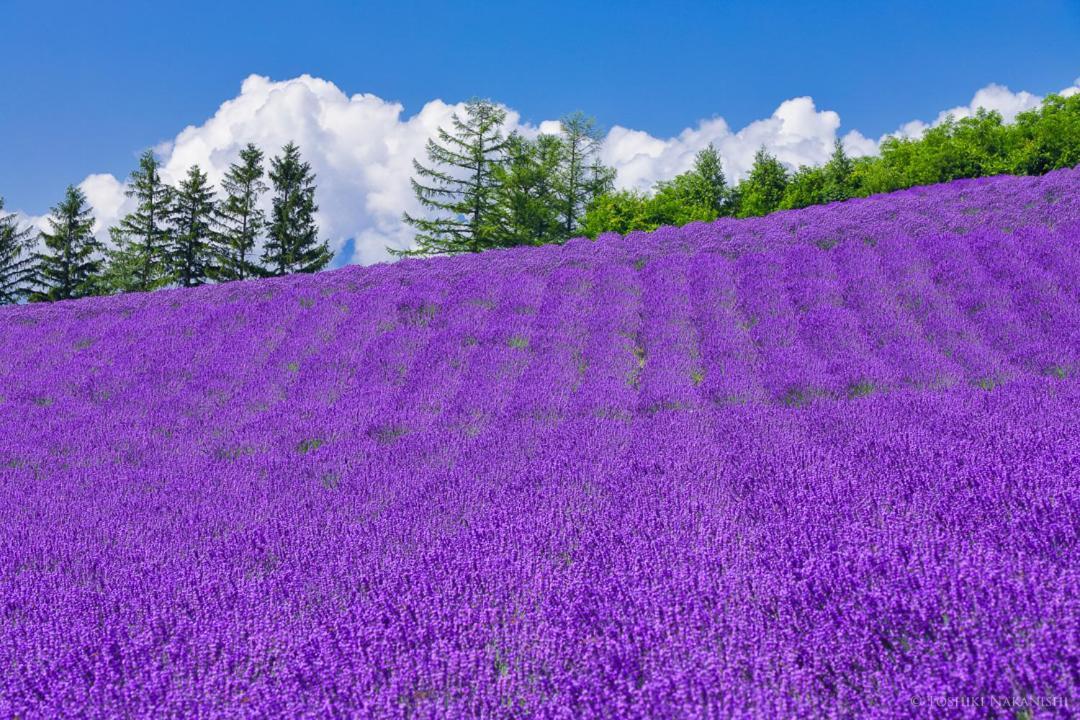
(822, 463)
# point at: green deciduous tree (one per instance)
(620, 211)
(763, 190)
(191, 221)
(708, 185)
(239, 219)
(292, 236)
(836, 176)
(16, 259)
(70, 265)
(459, 186)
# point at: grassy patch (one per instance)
(633, 379)
(330, 480)
(799, 396)
(826, 243)
(417, 314)
(697, 377)
(229, 454)
(387, 434)
(860, 389)
(1058, 371)
(293, 367)
(309, 445)
(519, 342)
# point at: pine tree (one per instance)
(763, 190)
(71, 264)
(16, 260)
(837, 173)
(191, 219)
(139, 262)
(582, 177)
(527, 192)
(459, 186)
(292, 245)
(240, 221)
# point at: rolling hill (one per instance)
(821, 463)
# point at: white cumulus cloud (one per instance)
(361, 147)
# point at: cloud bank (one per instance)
(361, 147)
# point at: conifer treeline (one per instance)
(183, 236)
(483, 189)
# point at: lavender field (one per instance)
(820, 464)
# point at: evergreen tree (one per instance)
(16, 261)
(122, 262)
(763, 190)
(70, 266)
(581, 177)
(240, 221)
(139, 262)
(527, 193)
(459, 186)
(191, 220)
(292, 245)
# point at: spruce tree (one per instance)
(240, 221)
(121, 263)
(71, 263)
(292, 244)
(527, 192)
(16, 260)
(459, 186)
(139, 262)
(763, 189)
(191, 221)
(581, 177)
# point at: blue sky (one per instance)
(86, 86)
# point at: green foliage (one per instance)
(239, 219)
(293, 245)
(620, 211)
(70, 266)
(16, 259)
(527, 192)
(189, 254)
(482, 190)
(707, 185)
(459, 186)
(836, 175)
(140, 260)
(701, 193)
(1040, 140)
(763, 190)
(580, 176)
